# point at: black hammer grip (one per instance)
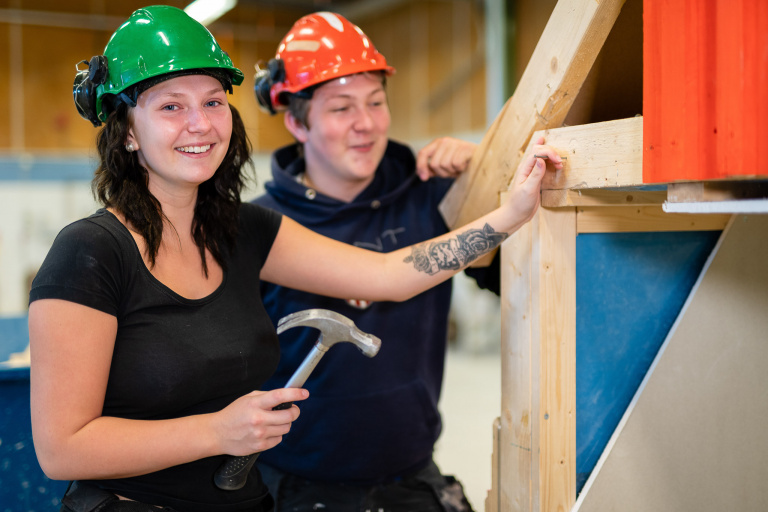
(233, 472)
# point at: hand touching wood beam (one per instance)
(560, 63)
(599, 155)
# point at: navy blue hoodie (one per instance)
(367, 420)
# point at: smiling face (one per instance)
(182, 129)
(346, 134)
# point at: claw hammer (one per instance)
(334, 328)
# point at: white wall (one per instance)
(32, 214)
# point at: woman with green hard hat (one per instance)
(149, 340)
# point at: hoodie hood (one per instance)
(394, 176)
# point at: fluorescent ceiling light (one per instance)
(208, 11)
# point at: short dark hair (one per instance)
(298, 103)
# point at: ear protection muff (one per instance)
(264, 79)
(84, 88)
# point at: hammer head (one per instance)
(333, 328)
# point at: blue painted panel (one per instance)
(630, 288)
(14, 335)
(23, 486)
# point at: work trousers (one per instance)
(426, 490)
(86, 497)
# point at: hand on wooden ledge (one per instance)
(525, 191)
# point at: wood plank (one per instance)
(644, 218)
(415, 43)
(607, 154)
(557, 473)
(538, 430)
(566, 51)
(599, 155)
(519, 375)
(598, 197)
(716, 191)
(492, 500)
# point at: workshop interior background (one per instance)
(455, 70)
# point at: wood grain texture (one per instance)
(622, 219)
(561, 61)
(492, 499)
(557, 474)
(538, 435)
(716, 191)
(597, 197)
(520, 391)
(599, 155)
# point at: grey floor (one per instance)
(470, 402)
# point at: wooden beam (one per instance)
(718, 196)
(558, 67)
(537, 470)
(597, 197)
(716, 191)
(599, 155)
(492, 499)
(644, 218)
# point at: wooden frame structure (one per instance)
(535, 461)
(600, 190)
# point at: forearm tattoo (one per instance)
(454, 253)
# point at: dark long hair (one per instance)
(121, 183)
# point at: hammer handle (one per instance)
(233, 472)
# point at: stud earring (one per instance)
(130, 147)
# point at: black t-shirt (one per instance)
(173, 356)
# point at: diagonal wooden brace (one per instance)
(560, 63)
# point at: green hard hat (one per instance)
(155, 41)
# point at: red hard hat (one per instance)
(320, 47)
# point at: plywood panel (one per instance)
(5, 85)
(439, 66)
(694, 437)
(50, 117)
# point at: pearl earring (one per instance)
(130, 147)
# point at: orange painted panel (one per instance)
(705, 89)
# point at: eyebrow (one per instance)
(345, 95)
(209, 93)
